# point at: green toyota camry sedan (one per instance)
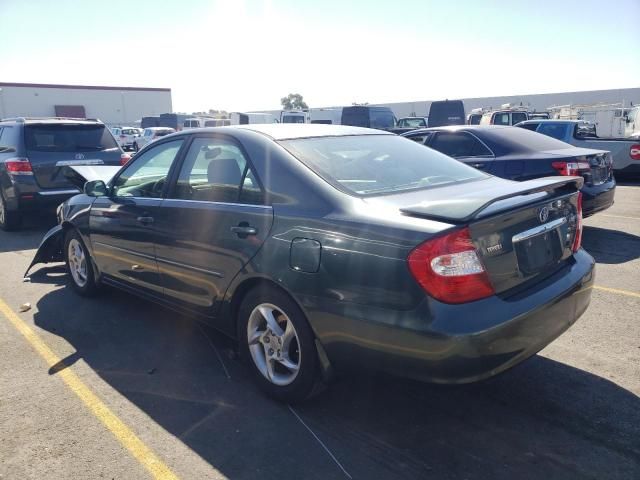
(321, 248)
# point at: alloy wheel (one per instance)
(274, 344)
(77, 262)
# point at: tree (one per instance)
(293, 101)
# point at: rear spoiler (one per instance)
(466, 207)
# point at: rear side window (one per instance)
(518, 117)
(68, 138)
(459, 144)
(501, 119)
(554, 130)
(216, 170)
(376, 164)
(530, 126)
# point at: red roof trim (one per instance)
(84, 87)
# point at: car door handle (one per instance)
(244, 230)
(478, 165)
(145, 220)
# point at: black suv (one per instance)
(33, 154)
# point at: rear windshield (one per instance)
(518, 139)
(292, 119)
(68, 138)
(376, 164)
(555, 130)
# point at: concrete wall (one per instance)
(112, 105)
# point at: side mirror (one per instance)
(96, 188)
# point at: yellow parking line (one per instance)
(616, 290)
(122, 432)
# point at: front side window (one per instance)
(376, 164)
(216, 170)
(146, 176)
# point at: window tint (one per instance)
(68, 138)
(459, 145)
(518, 117)
(373, 164)
(215, 170)
(516, 139)
(146, 175)
(555, 130)
(420, 138)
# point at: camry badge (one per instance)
(543, 214)
(494, 248)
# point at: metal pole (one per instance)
(2, 112)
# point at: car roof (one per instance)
(52, 120)
(290, 131)
(551, 120)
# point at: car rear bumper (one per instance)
(597, 198)
(460, 343)
(26, 195)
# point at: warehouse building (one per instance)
(112, 105)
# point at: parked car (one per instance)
(149, 135)
(193, 123)
(381, 118)
(34, 153)
(251, 118)
(539, 116)
(320, 248)
(407, 124)
(446, 112)
(624, 151)
(125, 136)
(518, 154)
(504, 117)
(632, 123)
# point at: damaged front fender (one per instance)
(50, 249)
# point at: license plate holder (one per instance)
(538, 252)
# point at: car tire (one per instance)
(282, 356)
(79, 265)
(9, 220)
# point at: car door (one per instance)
(465, 147)
(212, 222)
(122, 226)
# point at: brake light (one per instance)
(448, 268)
(18, 166)
(634, 151)
(577, 240)
(571, 169)
(124, 158)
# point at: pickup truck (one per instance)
(625, 151)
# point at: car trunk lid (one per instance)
(522, 231)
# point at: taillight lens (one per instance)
(577, 240)
(571, 169)
(448, 268)
(124, 158)
(634, 151)
(18, 166)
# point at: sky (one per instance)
(243, 55)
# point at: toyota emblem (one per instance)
(543, 214)
(79, 156)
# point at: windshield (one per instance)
(293, 119)
(412, 122)
(68, 138)
(374, 164)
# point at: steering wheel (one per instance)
(158, 187)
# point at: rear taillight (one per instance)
(124, 158)
(571, 169)
(634, 151)
(577, 240)
(18, 166)
(448, 268)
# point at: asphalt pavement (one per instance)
(116, 387)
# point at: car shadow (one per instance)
(543, 419)
(28, 236)
(610, 246)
